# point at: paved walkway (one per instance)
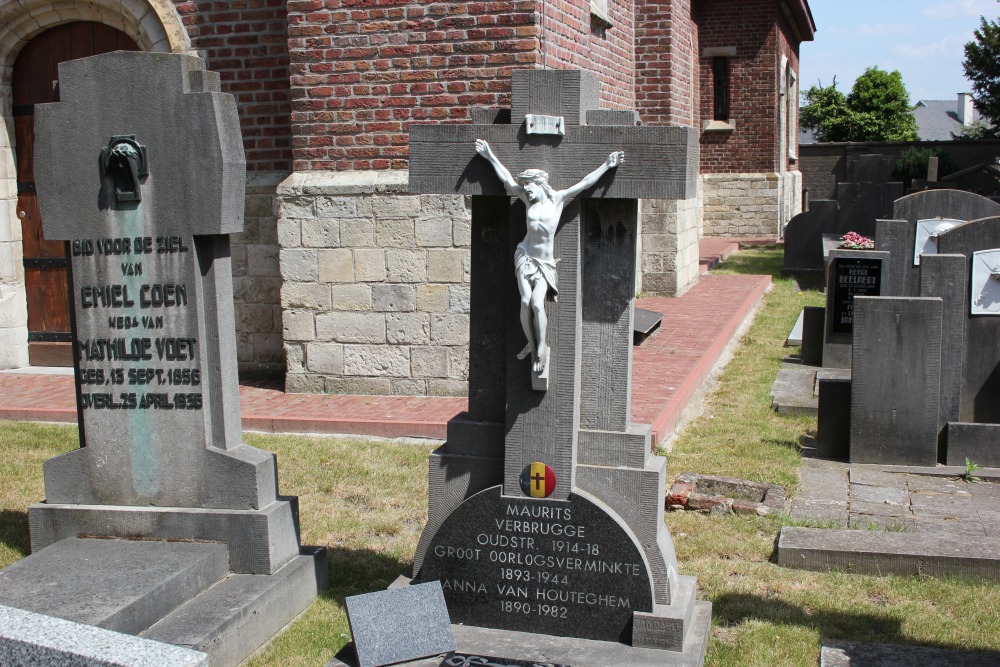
(668, 369)
(882, 519)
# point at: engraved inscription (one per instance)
(558, 567)
(128, 286)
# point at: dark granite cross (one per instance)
(592, 318)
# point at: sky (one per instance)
(923, 39)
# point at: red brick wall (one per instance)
(363, 70)
(788, 46)
(571, 40)
(246, 42)
(751, 27)
(666, 50)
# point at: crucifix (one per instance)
(548, 431)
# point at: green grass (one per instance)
(366, 502)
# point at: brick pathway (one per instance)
(668, 369)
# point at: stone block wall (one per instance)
(13, 299)
(750, 204)
(668, 246)
(257, 280)
(375, 291)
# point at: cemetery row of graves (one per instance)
(539, 527)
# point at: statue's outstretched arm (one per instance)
(591, 179)
(484, 149)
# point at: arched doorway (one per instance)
(45, 263)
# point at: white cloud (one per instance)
(883, 29)
(946, 46)
(955, 8)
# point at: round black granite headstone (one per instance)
(562, 568)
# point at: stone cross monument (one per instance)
(546, 507)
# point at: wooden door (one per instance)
(45, 262)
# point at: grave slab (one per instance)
(878, 553)
(792, 391)
(548, 649)
(118, 585)
(399, 624)
(856, 654)
(243, 610)
(28, 639)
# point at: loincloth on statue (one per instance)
(531, 269)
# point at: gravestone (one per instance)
(898, 235)
(867, 196)
(546, 507)
(399, 624)
(851, 273)
(896, 381)
(140, 169)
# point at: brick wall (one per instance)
(362, 71)
(246, 42)
(750, 27)
(666, 48)
(571, 39)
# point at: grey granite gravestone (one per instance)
(945, 277)
(593, 559)
(28, 639)
(851, 273)
(399, 624)
(980, 392)
(897, 236)
(896, 380)
(140, 169)
(865, 198)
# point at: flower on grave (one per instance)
(855, 241)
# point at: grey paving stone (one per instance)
(863, 493)
(28, 639)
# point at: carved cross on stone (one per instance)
(568, 455)
(661, 163)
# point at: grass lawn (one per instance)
(365, 501)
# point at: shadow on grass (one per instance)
(357, 571)
(793, 445)
(733, 608)
(14, 531)
(754, 262)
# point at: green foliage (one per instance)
(825, 113)
(912, 163)
(977, 131)
(877, 109)
(982, 68)
(970, 470)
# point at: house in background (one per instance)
(344, 282)
(937, 120)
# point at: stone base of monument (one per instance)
(260, 541)
(177, 592)
(523, 648)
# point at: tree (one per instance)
(982, 68)
(877, 109)
(826, 113)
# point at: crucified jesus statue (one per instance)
(534, 263)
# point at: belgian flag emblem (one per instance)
(538, 480)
